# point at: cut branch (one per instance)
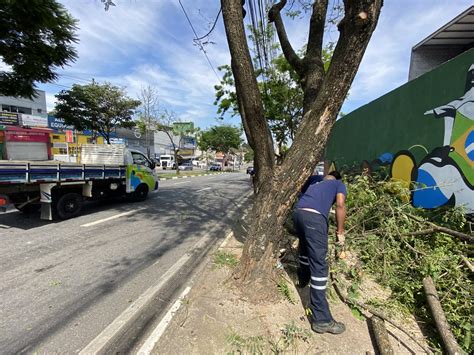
(449, 342)
(377, 313)
(467, 263)
(381, 336)
(435, 228)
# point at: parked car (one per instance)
(215, 167)
(250, 170)
(186, 166)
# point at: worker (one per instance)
(310, 218)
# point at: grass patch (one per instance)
(284, 290)
(291, 336)
(221, 259)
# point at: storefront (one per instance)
(26, 143)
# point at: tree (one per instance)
(176, 130)
(221, 139)
(323, 95)
(97, 107)
(149, 111)
(36, 36)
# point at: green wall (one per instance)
(396, 121)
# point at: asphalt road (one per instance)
(62, 283)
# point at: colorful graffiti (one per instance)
(445, 177)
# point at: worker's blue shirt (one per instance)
(311, 180)
(320, 196)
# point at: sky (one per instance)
(150, 42)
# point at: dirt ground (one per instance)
(215, 319)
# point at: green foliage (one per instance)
(291, 335)
(220, 138)
(249, 155)
(222, 258)
(285, 291)
(246, 345)
(97, 107)
(36, 36)
(380, 221)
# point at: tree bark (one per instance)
(382, 340)
(278, 186)
(449, 342)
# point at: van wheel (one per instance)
(29, 208)
(69, 205)
(140, 193)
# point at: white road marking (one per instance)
(152, 340)
(204, 189)
(110, 218)
(182, 182)
(124, 320)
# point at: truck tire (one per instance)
(69, 205)
(29, 208)
(140, 193)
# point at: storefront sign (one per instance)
(69, 136)
(58, 124)
(33, 121)
(117, 141)
(9, 118)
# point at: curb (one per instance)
(125, 329)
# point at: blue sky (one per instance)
(149, 42)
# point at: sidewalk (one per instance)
(214, 319)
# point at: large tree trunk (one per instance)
(278, 186)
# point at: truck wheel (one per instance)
(29, 208)
(140, 193)
(69, 205)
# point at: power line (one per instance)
(198, 41)
(73, 77)
(212, 28)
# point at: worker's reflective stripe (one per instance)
(319, 278)
(303, 260)
(318, 287)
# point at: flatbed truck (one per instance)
(59, 189)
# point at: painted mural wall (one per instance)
(424, 131)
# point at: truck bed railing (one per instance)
(25, 173)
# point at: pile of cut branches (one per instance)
(401, 245)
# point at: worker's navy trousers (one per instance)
(312, 229)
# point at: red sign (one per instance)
(69, 136)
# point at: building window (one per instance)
(16, 109)
(39, 110)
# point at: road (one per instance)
(62, 283)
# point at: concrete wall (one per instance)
(424, 131)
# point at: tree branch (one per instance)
(344, 298)
(316, 33)
(274, 15)
(449, 342)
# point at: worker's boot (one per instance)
(332, 327)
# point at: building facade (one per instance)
(36, 106)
